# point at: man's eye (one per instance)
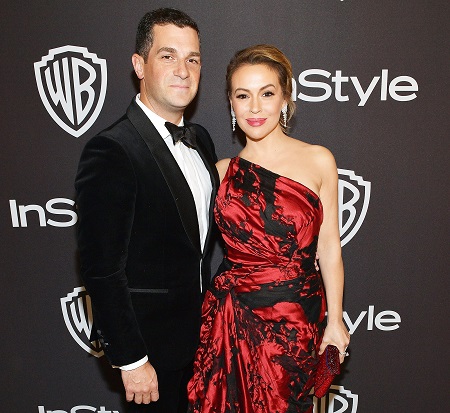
(194, 61)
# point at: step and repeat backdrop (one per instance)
(371, 82)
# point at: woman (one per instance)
(263, 319)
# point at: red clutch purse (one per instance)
(327, 369)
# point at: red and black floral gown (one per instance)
(262, 319)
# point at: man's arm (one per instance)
(106, 192)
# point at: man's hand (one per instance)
(141, 384)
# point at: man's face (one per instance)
(170, 76)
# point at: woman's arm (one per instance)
(329, 252)
(222, 167)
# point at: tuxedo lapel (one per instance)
(214, 175)
(171, 171)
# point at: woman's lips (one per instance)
(256, 121)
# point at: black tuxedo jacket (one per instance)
(139, 243)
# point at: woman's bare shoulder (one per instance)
(322, 153)
(319, 155)
(325, 164)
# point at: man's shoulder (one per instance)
(122, 127)
(117, 130)
(120, 132)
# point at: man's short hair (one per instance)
(162, 16)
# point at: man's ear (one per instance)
(138, 65)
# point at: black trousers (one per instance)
(172, 387)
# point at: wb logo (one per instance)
(77, 312)
(72, 85)
(338, 400)
(354, 197)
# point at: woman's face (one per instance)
(257, 98)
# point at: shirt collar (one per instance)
(158, 121)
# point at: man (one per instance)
(145, 217)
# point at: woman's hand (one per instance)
(336, 334)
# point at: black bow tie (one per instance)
(185, 134)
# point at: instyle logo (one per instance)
(338, 400)
(78, 409)
(77, 312)
(20, 214)
(314, 86)
(353, 199)
(386, 320)
(72, 84)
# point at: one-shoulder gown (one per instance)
(263, 318)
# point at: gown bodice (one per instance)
(267, 221)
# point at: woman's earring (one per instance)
(284, 112)
(233, 119)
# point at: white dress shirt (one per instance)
(197, 177)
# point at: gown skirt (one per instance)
(263, 317)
